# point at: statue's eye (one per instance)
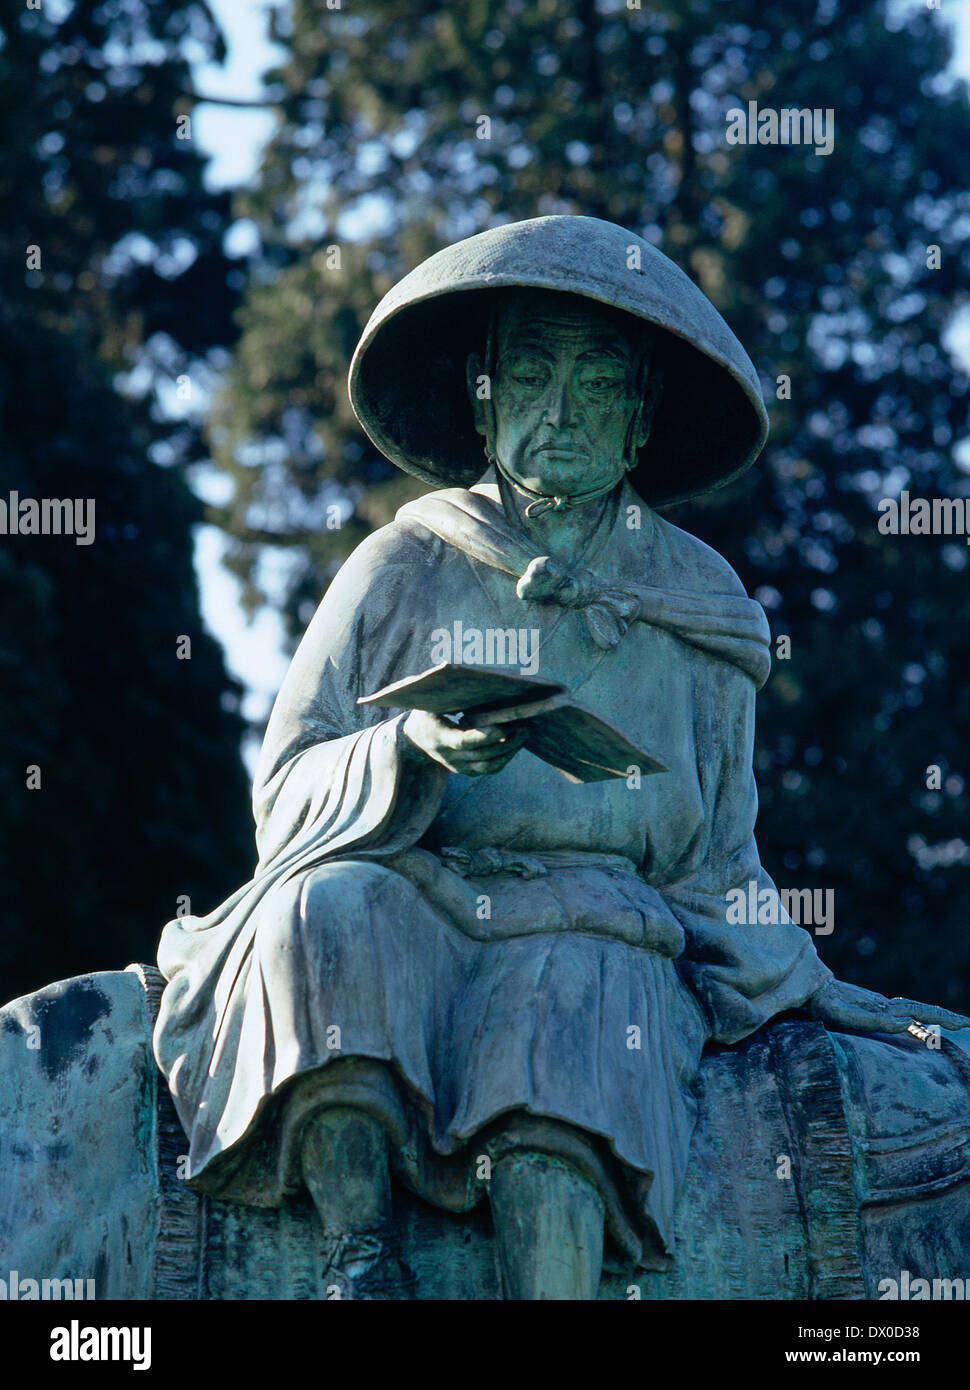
(602, 383)
(530, 380)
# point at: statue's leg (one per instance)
(548, 1227)
(344, 1160)
(344, 1163)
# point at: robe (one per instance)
(509, 958)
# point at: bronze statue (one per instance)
(453, 961)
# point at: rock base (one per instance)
(822, 1166)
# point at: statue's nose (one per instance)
(561, 408)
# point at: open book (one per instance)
(564, 733)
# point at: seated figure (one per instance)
(453, 963)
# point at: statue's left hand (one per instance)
(851, 1009)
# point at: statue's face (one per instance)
(564, 394)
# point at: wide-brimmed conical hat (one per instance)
(407, 378)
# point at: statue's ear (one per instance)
(651, 399)
(477, 382)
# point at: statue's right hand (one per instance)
(472, 752)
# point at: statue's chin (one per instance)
(563, 475)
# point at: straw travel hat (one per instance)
(407, 377)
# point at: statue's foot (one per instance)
(365, 1262)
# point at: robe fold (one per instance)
(487, 956)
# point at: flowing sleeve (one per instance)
(742, 973)
(331, 779)
(331, 772)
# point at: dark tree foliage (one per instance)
(142, 794)
(819, 262)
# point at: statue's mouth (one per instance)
(559, 450)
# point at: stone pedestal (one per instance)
(822, 1165)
